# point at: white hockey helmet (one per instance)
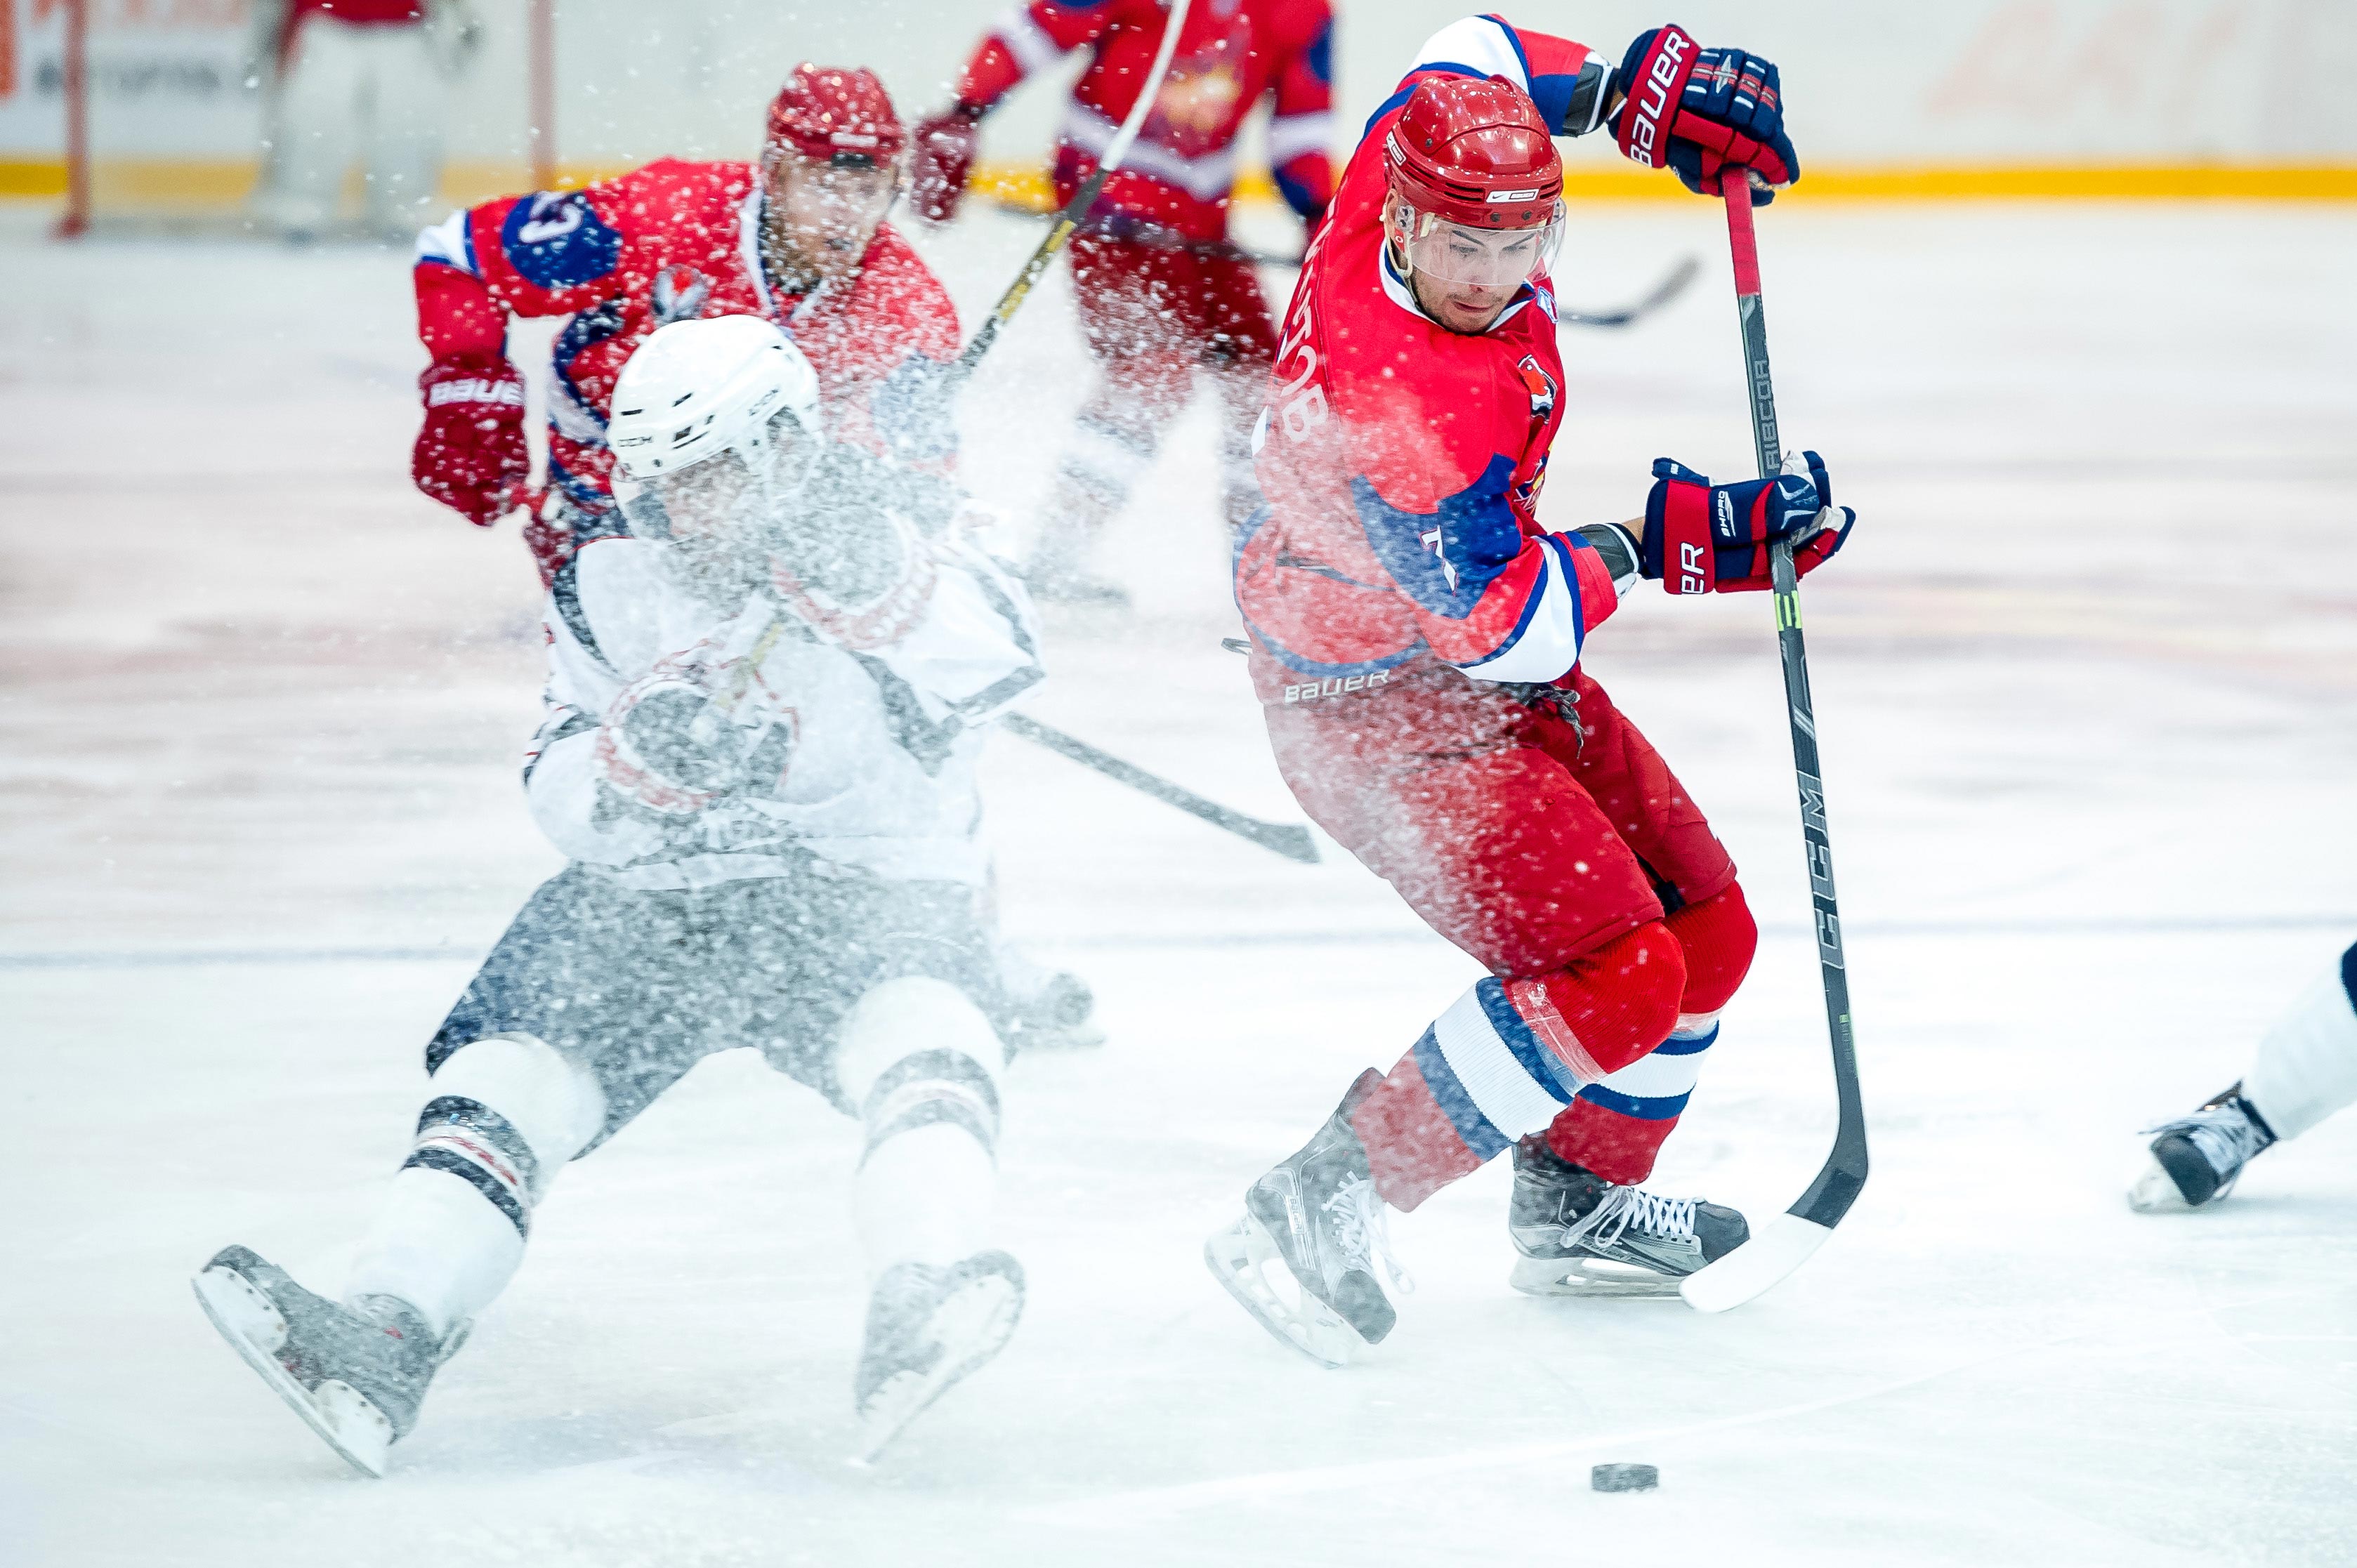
(696, 388)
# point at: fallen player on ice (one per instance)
(764, 710)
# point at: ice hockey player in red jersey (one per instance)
(1162, 292)
(1415, 638)
(798, 237)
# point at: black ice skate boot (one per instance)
(2198, 1158)
(1319, 1215)
(1581, 1235)
(357, 1378)
(927, 1328)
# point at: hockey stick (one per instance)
(1075, 210)
(1673, 283)
(1790, 1238)
(1291, 841)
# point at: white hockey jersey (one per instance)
(864, 725)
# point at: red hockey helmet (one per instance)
(839, 116)
(1475, 153)
(1476, 182)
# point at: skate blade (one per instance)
(254, 1329)
(1589, 1277)
(1238, 1258)
(2157, 1192)
(970, 1325)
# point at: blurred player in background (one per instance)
(797, 238)
(2305, 1070)
(346, 79)
(763, 714)
(1415, 643)
(1162, 292)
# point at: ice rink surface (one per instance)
(2087, 682)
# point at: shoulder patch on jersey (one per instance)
(556, 239)
(1539, 384)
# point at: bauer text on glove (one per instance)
(470, 453)
(1698, 110)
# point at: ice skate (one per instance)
(2197, 1159)
(1318, 1218)
(927, 1328)
(1581, 1235)
(356, 1376)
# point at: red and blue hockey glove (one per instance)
(470, 453)
(943, 157)
(1702, 538)
(1696, 111)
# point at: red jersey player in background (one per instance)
(1162, 293)
(798, 237)
(1416, 644)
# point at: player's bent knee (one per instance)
(1718, 937)
(1616, 1003)
(512, 1109)
(915, 1052)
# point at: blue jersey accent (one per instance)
(1297, 196)
(1319, 56)
(556, 239)
(2349, 975)
(1479, 538)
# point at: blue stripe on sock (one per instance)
(1481, 1134)
(1687, 1045)
(1629, 1105)
(1535, 1060)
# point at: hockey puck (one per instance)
(1624, 1477)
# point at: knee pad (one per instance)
(504, 1114)
(1616, 1003)
(1718, 937)
(915, 1051)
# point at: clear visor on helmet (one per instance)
(1455, 253)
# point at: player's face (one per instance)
(1465, 277)
(826, 212)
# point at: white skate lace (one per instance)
(1361, 1226)
(2223, 1134)
(1622, 1207)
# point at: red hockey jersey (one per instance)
(1401, 461)
(669, 243)
(1231, 54)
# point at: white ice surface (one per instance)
(2087, 680)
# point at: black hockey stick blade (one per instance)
(1790, 1238)
(1669, 288)
(1289, 840)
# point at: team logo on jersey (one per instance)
(556, 239)
(1540, 385)
(678, 294)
